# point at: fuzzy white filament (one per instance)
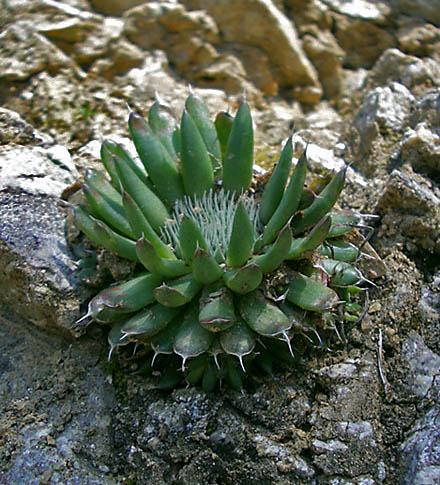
(214, 215)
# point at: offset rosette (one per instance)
(225, 281)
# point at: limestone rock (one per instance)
(425, 9)
(410, 71)
(38, 276)
(56, 407)
(374, 10)
(24, 53)
(114, 7)
(388, 106)
(420, 145)
(323, 50)
(84, 40)
(429, 309)
(309, 13)
(419, 451)
(362, 40)
(410, 212)
(258, 23)
(121, 56)
(419, 39)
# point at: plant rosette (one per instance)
(228, 280)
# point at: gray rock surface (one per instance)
(421, 449)
(55, 408)
(38, 276)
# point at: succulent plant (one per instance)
(230, 275)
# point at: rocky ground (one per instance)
(360, 80)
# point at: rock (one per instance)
(421, 148)
(362, 40)
(188, 38)
(429, 308)
(121, 56)
(153, 78)
(420, 145)
(56, 406)
(114, 7)
(410, 212)
(419, 451)
(15, 130)
(425, 9)
(267, 29)
(83, 40)
(418, 39)
(38, 276)
(410, 71)
(353, 83)
(341, 429)
(388, 106)
(323, 50)
(423, 368)
(419, 463)
(374, 10)
(24, 53)
(227, 73)
(307, 13)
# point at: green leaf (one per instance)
(262, 316)
(289, 202)
(177, 292)
(274, 189)
(243, 280)
(238, 160)
(190, 238)
(156, 159)
(216, 308)
(242, 238)
(197, 171)
(202, 119)
(309, 294)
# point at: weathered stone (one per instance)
(24, 53)
(36, 170)
(340, 430)
(419, 39)
(411, 212)
(55, 408)
(87, 40)
(15, 130)
(389, 107)
(363, 41)
(429, 308)
(306, 13)
(188, 38)
(260, 24)
(423, 368)
(420, 145)
(374, 10)
(425, 9)
(353, 83)
(227, 73)
(419, 452)
(410, 71)
(257, 67)
(121, 56)
(114, 7)
(326, 55)
(149, 25)
(421, 148)
(38, 276)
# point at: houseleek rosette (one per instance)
(225, 280)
